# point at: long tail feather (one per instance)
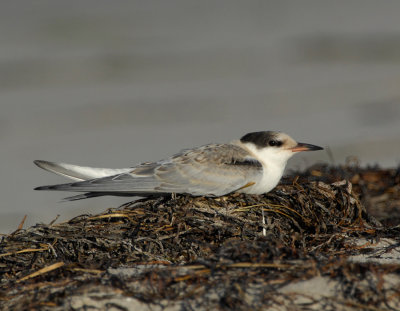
(78, 173)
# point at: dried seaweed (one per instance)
(337, 225)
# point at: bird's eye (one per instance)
(275, 143)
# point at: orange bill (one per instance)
(305, 147)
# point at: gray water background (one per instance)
(115, 83)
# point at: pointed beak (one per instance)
(305, 147)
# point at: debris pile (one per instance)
(327, 238)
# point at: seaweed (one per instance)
(326, 238)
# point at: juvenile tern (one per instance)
(254, 165)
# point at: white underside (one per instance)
(271, 177)
(273, 162)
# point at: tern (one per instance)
(253, 165)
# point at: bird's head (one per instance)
(276, 147)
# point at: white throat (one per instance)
(273, 161)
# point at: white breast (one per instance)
(273, 162)
(271, 177)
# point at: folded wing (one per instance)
(210, 170)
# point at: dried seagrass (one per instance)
(329, 225)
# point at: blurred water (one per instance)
(116, 83)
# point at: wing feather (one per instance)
(78, 173)
(211, 170)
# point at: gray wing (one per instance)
(211, 170)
